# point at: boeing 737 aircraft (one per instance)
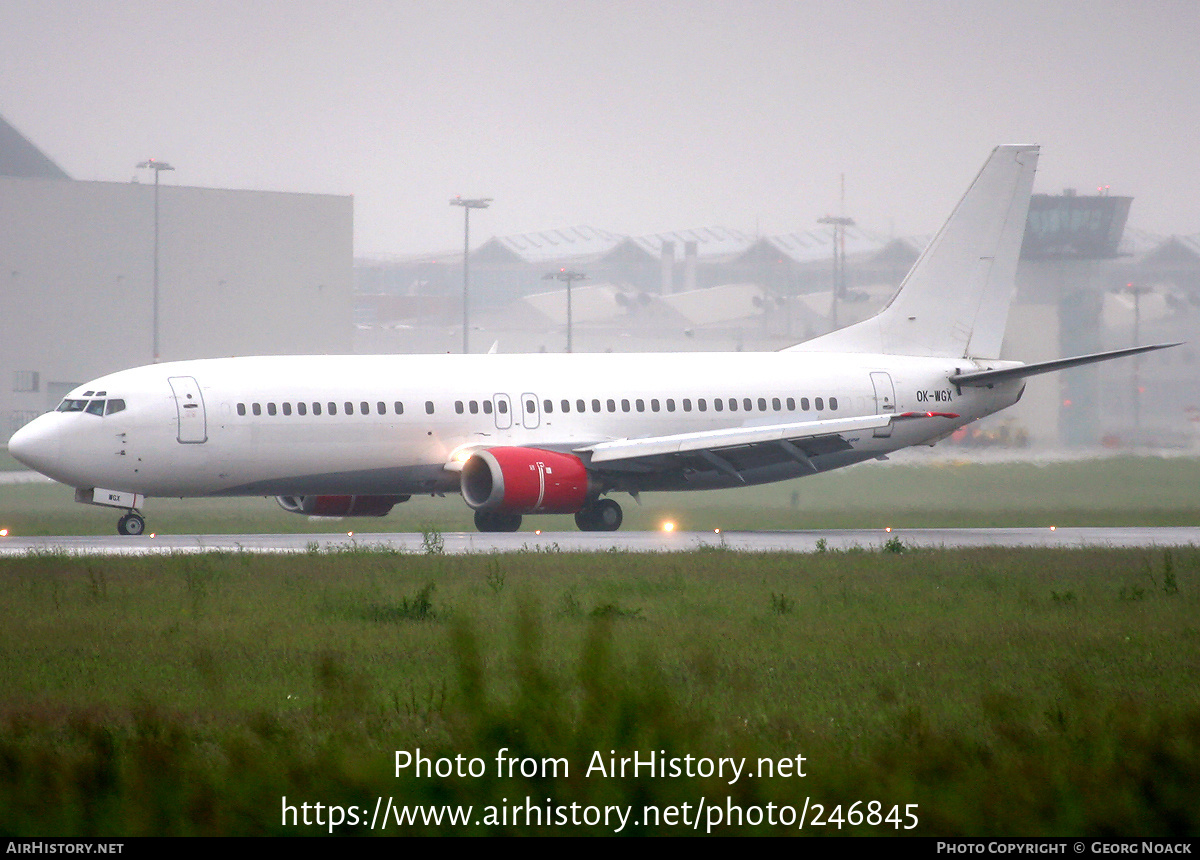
(540, 434)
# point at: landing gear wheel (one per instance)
(495, 521)
(131, 524)
(603, 515)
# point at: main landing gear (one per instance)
(132, 523)
(496, 521)
(602, 515)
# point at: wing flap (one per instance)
(829, 429)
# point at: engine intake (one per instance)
(525, 481)
(340, 506)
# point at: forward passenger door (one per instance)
(189, 409)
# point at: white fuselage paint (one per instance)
(165, 443)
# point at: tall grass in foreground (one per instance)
(1004, 692)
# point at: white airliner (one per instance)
(535, 434)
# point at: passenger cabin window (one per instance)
(804, 404)
(287, 409)
(316, 409)
(332, 408)
(687, 404)
(256, 408)
(241, 408)
(611, 404)
(458, 407)
(718, 404)
(531, 406)
(670, 404)
(381, 408)
(501, 407)
(580, 406)
(398, 407)
(833, 403)
(474, 404)
(487, 407)
(302, 408)
(549, 406)
(364, 408)
(428, 407)
(270, 408)
(791, 404)
(349, 407)
(595, 405)
(820, 404)
(701, 404)
(566, 406)
(624, 405)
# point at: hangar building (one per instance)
(240, 272)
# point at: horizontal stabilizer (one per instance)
(988, 377)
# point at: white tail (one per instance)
(954, 301)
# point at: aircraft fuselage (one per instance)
(278, 425)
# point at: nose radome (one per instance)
(37, 445)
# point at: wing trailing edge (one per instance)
(716, 440)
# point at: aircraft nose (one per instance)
(37, 445)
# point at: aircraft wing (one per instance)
(737, 448)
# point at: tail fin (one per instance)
(954, 301)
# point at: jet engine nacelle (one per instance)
(340, 506)
(525, 481)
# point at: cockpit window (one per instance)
(92, 407)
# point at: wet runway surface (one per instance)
(631, 541)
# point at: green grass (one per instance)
(1003, 691)
(1119, 491)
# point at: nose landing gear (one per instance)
(132, 523)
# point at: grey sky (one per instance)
(630, 116)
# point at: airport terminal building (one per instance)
(1086, 283)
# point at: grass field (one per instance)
(1112, 491)
(1001, 691)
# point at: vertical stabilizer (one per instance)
(954, 302)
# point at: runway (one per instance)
(472, 542)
